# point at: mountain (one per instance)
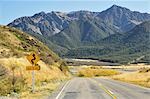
(42, 23)
(123, 47)
(90, 34)
(48, 24)
(123, 18)
(81, 31)
(140, 34)
(93, 26)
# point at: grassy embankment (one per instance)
(15, 80)
(140, 77)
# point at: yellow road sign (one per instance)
(33, 68)
(33, 58)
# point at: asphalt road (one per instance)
(100, 88)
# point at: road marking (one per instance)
(106, 90)
(111, 92)
(57, 97)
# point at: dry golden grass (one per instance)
(96, 71)
(51, 76)
(46, 72)
(139, 78)
(14, 46)
(9, 38)
(41, 92)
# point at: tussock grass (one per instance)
(96, 71)
(47, 79)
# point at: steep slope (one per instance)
(48, 24)
(123, 18)
(138, 35)
(42, 23)
(82, 32)
(15, 45)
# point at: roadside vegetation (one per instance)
(140, 77)
(96, 71)
(15, 80)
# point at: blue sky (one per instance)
(12, 9)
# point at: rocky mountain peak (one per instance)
(51, 23)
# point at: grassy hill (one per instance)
(14, 47)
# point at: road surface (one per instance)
(100, 88)
(124, 90)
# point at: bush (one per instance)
(63, 67)
(144, 70)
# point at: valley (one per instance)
(74, 54)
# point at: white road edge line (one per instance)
(57, 97)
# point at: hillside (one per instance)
(123, 18)
(82, 31)
(15, 45)
(123, 48)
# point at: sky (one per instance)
(12, 9)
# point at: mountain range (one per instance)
(116, 34)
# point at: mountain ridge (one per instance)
(66, 32)
(56, 21)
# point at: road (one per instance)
(124, 90)
(100, 88)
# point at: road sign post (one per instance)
(33, 58)
(33, 80)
